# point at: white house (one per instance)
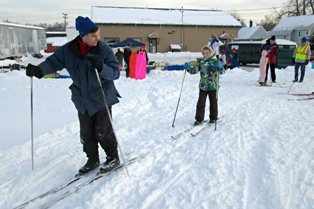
(18, 40)
(294, 28)
(252, 33)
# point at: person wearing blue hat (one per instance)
(86, 58)
(301, 57)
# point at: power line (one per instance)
(243, 10)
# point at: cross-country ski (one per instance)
(189, 130)
(98, 176)
(196, 132)
(303, 99)
(304, 94)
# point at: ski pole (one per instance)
(110, 119)
(32, 126)
(292, 84)
(290, 87)
(217, 89)
(175, 114)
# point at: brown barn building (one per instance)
(163, 30)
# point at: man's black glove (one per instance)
(293, 61)
(306, 62)
(33, 70)
(95, 63)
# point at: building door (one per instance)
(153, 45)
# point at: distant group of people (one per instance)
(268, 60)
(269, 51)
(125, 55)
(213, 57)
(232, 61)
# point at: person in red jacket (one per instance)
(272, 59)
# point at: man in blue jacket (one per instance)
(80, 57)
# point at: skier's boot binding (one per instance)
(197, 122)
(111, 163)
(91, 164)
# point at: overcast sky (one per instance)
(43, 11)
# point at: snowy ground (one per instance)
(261, 156)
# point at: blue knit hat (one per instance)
(304, 39)
(84, 25)
(268, 48)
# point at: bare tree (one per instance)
(238, 17)
(297, 8)
(311, 4)
(269, 22)
(235, 15)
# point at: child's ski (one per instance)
(187, 130)
(195, 133)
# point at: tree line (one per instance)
(290, 8)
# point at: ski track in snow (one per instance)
(256, 158)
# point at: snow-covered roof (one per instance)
(20, 26)
(295, 22)
(151, 16)
(56, 32)
(57, 41)
(255, 32)
(278, 41)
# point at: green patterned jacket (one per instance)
(209, 70)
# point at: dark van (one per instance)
(249, 51)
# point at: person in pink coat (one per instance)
(263, 64)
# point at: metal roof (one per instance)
(154, 16)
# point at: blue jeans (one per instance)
(296, 71)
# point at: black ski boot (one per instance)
(111, 163)
(197, 122)
(90, 165)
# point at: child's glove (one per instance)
(187, 66)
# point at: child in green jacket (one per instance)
(209, 68)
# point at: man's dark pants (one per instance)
(97, 129)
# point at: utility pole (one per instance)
(65, 16)
(182, 31)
